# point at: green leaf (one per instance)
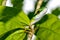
(1, 2)
(23, 18)
(50, 29)
(31, 15)
(12, 20)
(26, 36)
(6, 13)
(17, 4)
(18, 35)
(1, 9)
(19, 21)
(2, 28)
(56, 11)
(47, 20)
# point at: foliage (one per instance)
(1, 2)
(13, 23)
(17, 4)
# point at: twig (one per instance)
(38, 6)
(39, 16)
(31, 32)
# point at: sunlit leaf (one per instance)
(12, 20)
(18, 35)
(19, 21)
(2, 28)
(50, 29)
(47, 20)
(7, 13)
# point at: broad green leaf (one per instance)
(23, 18)
(12, 20)
(18, 35)
(19, 21)
(17, 4)
(50, 29)
(52, 33)
(8, 13)
(47, 20)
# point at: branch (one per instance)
(39, 16)
(31, 32)
(38, 6)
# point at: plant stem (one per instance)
(39, 16)
(31, 32)
(39, 3)
(4, 3)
